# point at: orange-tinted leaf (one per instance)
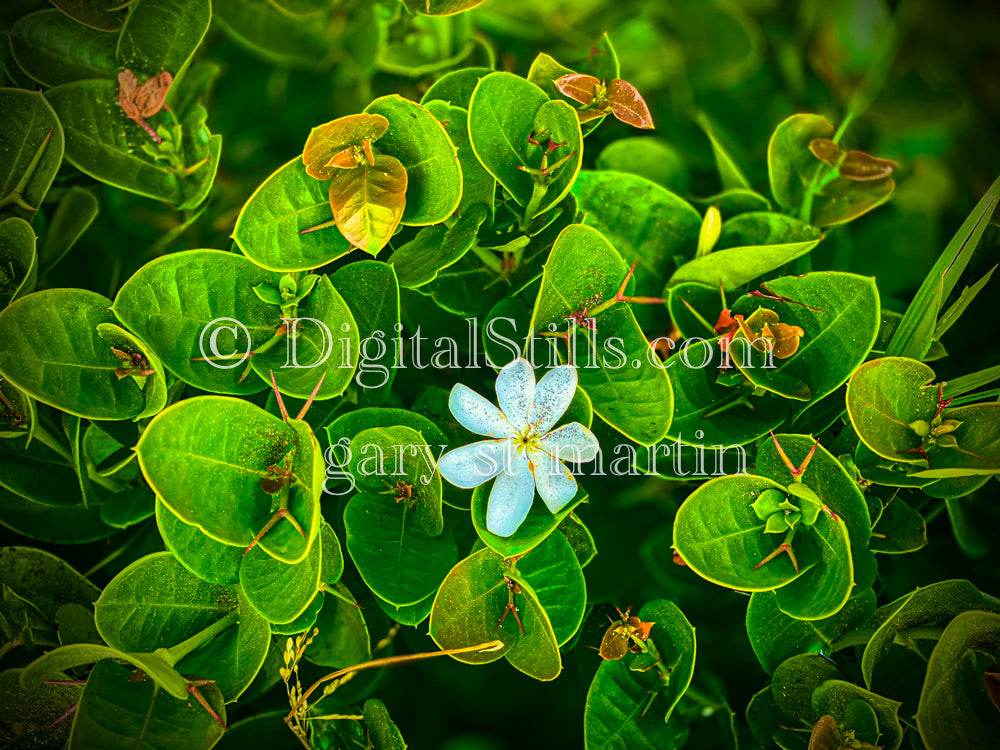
(628, 105)
(368, 202)
(346, 159)
(825, 734)
(326, 141)
(862, 167)
(825, 150)
(579, 87)
(785, 338)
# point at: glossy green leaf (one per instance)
(955, 708)
(203, 556)
(54, 49)
(417, 140)
(398, 562)
(153, 304)
(628, 391)
(280, 592)
(834, 698)
(556, 577)
(156, 604)
(719, 536)
(117, 713)
(73, 216)
(613, 718)
(839, 332)
(31, 150)
(106, 15)
(104, 144)
(435, 248)
(163, 35)
(455, 87)
(751, 245)
(273, 226)
(54, 353)
(500, 133)
(343, 635)
(226, 446)
(478, 185)
(18, 260)
(536, 527)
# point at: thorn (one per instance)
(69, 712)
(943, 403)
(510, 608)
(278, 515)
(277, 395)
(795, 472)
(921, 451)
(324, 225)
(553, 145)
(620, 294)
(768, 294)
(305, 408)
(193, 689)
(785, 547)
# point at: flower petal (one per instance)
(476, 414)
(556, 484)
(473, 464)
(515, 389)
(552, 398)
(511, 497)
(572, 442)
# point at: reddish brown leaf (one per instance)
(862, 167)
(628, 105)
(825, 150)
(346, 159)
(153, 93)
(326, 141)
(368, 202)
(579, 87)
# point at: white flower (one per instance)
(523, 453)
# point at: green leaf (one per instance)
(645, 223)
(500, 132)
(438, 8)
(53, 49)
(455, 87)
(718, 535)
(18, 260)
(834, 698)
(103, 143)
(117, 713)
(776, 636)
(417, 140)
(278, 591)
(73, 216)
(613, 718)
(884, 397)
(697, 394)
(37, 709)
(792, 169)
(751, 245)
(43, 579)
(54, 353)
(163, 35)
(227, 446)
(419, 261)
(674, 639)
(267, 30)
(478, 185)
(397, 561)
(634, 397)
(31, 150)
(953, 313)
(899, 529)
(105, 15)
(206, 558)
(556, 577)
(371, 290)
(838, 335)
(156, 604)
(154, 304)
(932, 605)
(955, 708)
(397, 462)
(537, 526)
(915, 332)
(343, 635)
(72, 524)
(272, 228)
(651, 158)
(383, 732)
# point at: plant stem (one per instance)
(188, 646)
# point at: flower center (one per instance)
(526, 440)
